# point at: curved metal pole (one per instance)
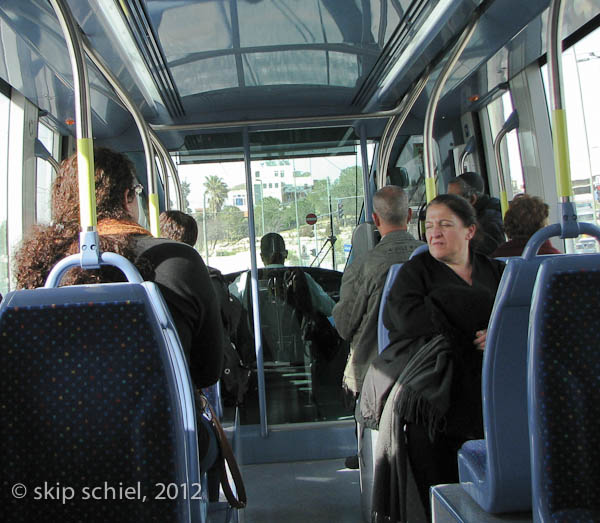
(366, 181)
(40, 151)
(503, 196)
(560, 139)
(462, 42)
(511, 123)
(394, 125)
(165, 176)
(469, 148)
(83, 122)
(140, 122)
(162, 150)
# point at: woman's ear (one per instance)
(471, 229)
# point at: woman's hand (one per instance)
(479, 341)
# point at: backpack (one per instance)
(235, 376)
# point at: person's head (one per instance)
(450, 226)
(469, 185)
(116, 188)
(272, 249)
(178, 226)
(390, 209)
(44, 245)
(525, 215)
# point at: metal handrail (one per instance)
(143, 130)
(457, 50)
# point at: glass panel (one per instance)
(4, 260)
(412, 163)
(498, 112)
(44, 176)
(581, 76)
(303, 376)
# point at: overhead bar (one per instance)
(264, 122)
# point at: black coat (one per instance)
(491, 226)
(428, 299)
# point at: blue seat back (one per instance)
(96, 393)
(419, 250)
(495, 471)
(564, 387)
(383, 335)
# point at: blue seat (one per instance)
(419, 250)
(97, 402)
(564, 386)
(383, 335)
(495, 471)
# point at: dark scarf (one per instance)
(426, 384)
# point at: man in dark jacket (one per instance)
(470, 185)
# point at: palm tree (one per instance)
(217, 191)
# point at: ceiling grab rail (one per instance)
(394, 125)
(40, 151)
(560, 141)
(455, 53)
(140, 122)
(512, 122)
(89, 245)
(469, 149)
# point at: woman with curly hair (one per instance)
(176, 268)
(525, 215)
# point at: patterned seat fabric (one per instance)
(564, 391)
(496, 471)
(86, 413)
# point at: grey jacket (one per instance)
(356, 313)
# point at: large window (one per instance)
(581, 77)
(44, 176)
(498, 112)
(330, 187)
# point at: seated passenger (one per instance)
(437, 314)
(178, 226)
(525, 215)
(176, 268)
(470, 185)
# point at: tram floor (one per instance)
(301, 492)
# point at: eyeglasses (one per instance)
(138, 188)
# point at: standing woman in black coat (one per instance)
(447, 291)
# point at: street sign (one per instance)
(311, 218)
